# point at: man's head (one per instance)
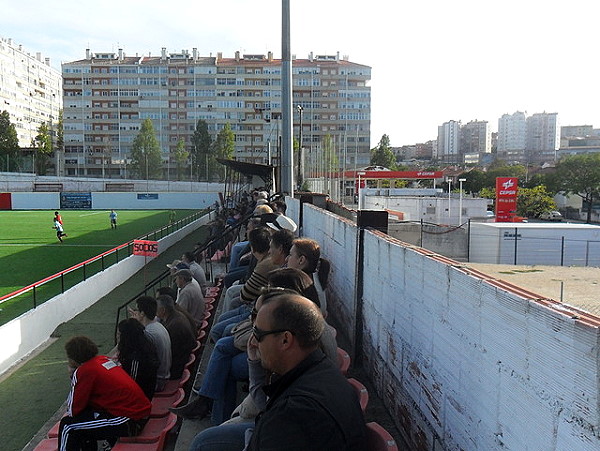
(183, 277)
(260, 240)
(169, 291)
(165, 306)
(147, 307)
(287, 329)
(188, 257)
(80, 349)
(176, 266)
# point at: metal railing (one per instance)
(49, 287)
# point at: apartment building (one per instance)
(30, 90)
(475, 139)
(448, 142)
(543, 137)
(108, 95)
(512, 136)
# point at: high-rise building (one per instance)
(543, 137)
(108, 95)
(512, 134)
(30, 90)
(475, 139)
(448, 142)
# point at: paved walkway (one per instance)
(34, 392)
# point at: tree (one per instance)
(476, 180)
(532, 202)
(42, 145)
(579, 175)
(9, 144)
(146, 161)
(382, 155)
(330, 159)
(224, 147)
(202, 146)
(181, 157)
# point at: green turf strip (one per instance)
(30, 251)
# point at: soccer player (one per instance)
(58, 217)
(113, 219)
(59, 229)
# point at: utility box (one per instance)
(561, 244)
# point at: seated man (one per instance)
(197, 271)
(104, 403)
(158, 335)
(183, 337)
(310, 406)
(190, 296)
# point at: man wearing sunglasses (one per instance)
(310, 405)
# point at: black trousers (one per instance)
(81, 432)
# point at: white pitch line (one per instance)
(93, 213)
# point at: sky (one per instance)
(432, 60)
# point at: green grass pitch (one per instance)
(30, 251)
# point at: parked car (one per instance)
(551, 216)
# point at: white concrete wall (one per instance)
(464, 362)
(24, 334)
(35, 201)
(119, 201)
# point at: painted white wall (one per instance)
(35, 201)
(165, 201)
(537, 243)
(464, 362)
(24, 334)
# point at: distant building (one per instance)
(512, 135)
(108, 95)
(576, 131)
(475, 139)
(30, 90)
(543, 137)
(448, 142)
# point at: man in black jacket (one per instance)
(311, 406)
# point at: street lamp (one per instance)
(449, 180)
(300, 159)
(460, 181)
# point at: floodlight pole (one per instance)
(287, 150)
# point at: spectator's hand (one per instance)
(253, 353)
(133, 313)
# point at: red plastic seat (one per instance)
(172, 386)
(196, 349)
(190, 361)
(48, 444)
(203, 325)
(53, 432)
(161, 404)
(378, 439)
(361, 391)
(209, 300)
(209, 307)
(201, 335)
(155, 430)
(206, 316)
(154, 446)
(343, 360)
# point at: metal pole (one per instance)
(460, 181)
(300, 159)
(287, 151)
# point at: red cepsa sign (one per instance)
(506, 198)
(145, 248)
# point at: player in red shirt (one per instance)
(58, 217)
(104, 403)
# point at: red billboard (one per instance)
(145, 248)
(506, 198)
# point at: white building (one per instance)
(512, 134)
(543, 137)
(448, 142)
(475, 139)
(30, 90)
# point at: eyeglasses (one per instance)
(260, 334)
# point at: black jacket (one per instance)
(310, 408)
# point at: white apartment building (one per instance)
(448, 142)
(512, 136)
(30, 90)
(543, 137)
(108, 95)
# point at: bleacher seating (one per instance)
(378, 439)
(161, 404)
(361, 391)
(172, 386)
(49, 444)
(155, 429)
(343, 361)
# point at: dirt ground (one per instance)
(580, 286)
